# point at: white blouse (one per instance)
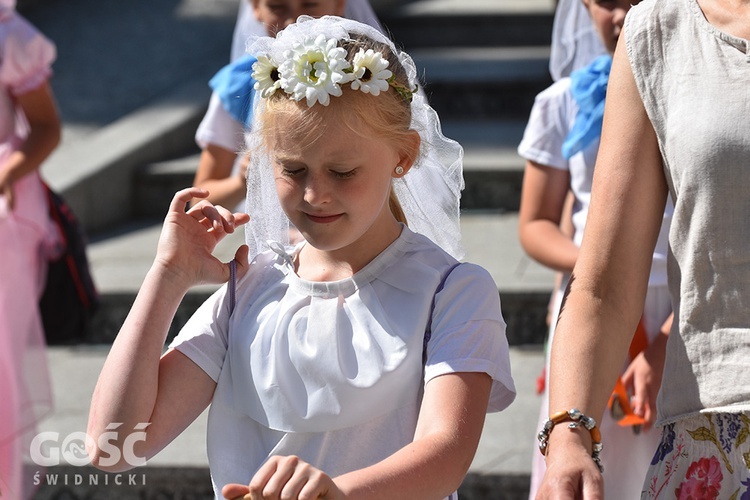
(332, 371)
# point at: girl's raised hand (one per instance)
(188, 239)
(288, 478)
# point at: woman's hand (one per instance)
(287, 478)
(571, 473)
(188, 239)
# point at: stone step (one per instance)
(442, 23)
(483, 82)
(120, 260)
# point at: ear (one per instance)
(409, 152)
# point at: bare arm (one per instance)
(137, 384)
(542, 206)
(448, 431)
(608, 286)
(214, 174)
(450, 425)
(40, 110)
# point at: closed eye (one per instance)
(344, 175)
(291, 172)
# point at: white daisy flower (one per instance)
(266, 76)
(314, 70)
(370, 74)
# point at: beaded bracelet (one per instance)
(576, 419)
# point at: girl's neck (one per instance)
(313, 264)
(729, 16)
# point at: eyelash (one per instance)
(345, 175)
(339, 175)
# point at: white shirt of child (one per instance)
(332, 371)
(220, 128)
(550, 121)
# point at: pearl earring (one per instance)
(399, 170)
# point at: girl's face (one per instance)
(278, 14)
(608, 17)
(335, 189)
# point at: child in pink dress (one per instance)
(29, 131)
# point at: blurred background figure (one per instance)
(29, 131)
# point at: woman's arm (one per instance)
(433, 466)
(39, 107)
(608, 286)
(137, 384)
(214, 174)
(539, 227)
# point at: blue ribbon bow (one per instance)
(234, 85)
(589, 88)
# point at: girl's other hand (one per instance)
(285, 477)
(6, 188)
(188, 239)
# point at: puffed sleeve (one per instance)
(548, 126)
(205, 336)
(468, 333)
(27, 56)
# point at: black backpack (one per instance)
(70, 298)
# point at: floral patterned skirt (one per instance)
(702, 457)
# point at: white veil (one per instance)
(575, 42)
(429, 192)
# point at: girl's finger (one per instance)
(241, 218)
(285, 479)
(241, 258)
(182, 197)
(234, 491)
(315, 487)
(227, 219)
(260, 479)
(208, 215)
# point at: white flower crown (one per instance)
(316, 69)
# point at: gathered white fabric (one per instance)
(430, 191)
(575, 42)
(332, 371)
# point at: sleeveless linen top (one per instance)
(695, 84)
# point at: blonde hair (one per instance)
(387, 116)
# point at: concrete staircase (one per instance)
(481, 66)
(482, 62)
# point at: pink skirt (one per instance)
(27, 239)
(702, 457)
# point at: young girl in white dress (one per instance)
(29, 131)
(560, 145)
(357, 364)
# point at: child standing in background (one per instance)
(358, 363)
(560, 145)
(29, 131)
(221, 133)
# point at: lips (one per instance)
(324, 219)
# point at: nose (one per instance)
(317, 190)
